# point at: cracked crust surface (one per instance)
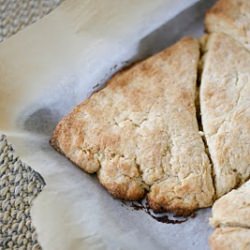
(233, 209)
(225, 109)
(231, 17)
(140, 133)
(230, 238)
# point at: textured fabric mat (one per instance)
(16, 14)
(19, 185)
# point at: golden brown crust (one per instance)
(224, 100)
(230, 238)
(231, 17)
(140, 133)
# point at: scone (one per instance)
(231, 17)
(231, 216)
(230, 238)
(225, 110)
(233, 209)
(140, 133)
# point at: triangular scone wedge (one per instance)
(141, 129)
(233, 209)
(230, 238)
(231, 17)
(225, 109)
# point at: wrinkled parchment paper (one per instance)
(54, 64)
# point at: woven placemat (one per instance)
(19, 183)
(17, 14)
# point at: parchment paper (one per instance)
(54, 64)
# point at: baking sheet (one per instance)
(54, 64)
